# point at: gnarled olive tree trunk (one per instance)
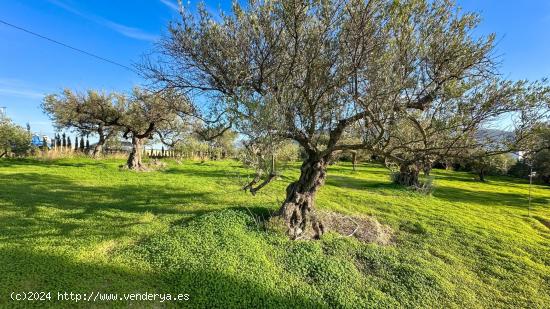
(481, 174)
(427, 170)
(99, 146)
(408, 175)
(134, 160)
(103, 137)
(97, 149)
(298, 208)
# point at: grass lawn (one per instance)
(83, 226)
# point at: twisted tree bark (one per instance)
(298, 208)
(427, 169)
(102, 139)
(408, 175)
(134, 160)
(481, 174)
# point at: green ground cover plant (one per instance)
(86, 225)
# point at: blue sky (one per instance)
(125, 30)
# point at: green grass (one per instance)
(82, 225)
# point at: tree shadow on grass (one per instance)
(485, 198)
(11, 162)
(24, 269)
(41, 205)
(359, 184)
(451, 194)
(360, 169)
(201, 173)
(455, 177)
(259, 213)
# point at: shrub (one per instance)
(14, 139)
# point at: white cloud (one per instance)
(127, 31)
(25, 93)
(17, 88)
(172, 5)
(130, 32)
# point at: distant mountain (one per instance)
(494, 135)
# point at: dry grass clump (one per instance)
(365, 229)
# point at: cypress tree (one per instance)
(82, 143)
(69, 142)
(64, 140)
(76, 143)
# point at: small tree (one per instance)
(14, 139)
(259, 153)
(225, 143)
(492, 165)
(535, 155)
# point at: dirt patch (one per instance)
(156, 165)
(366, 229)
(153, 165)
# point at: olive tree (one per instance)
(14, 139)
(91, 112)
(314, 71)
(138, 116)
(461, 125)
(259, 153)
(148, 113)
(535, 155)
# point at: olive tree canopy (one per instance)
(89, 113)
(147, 114)
(316, 71)
(138, 116)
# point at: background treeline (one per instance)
(17, 141)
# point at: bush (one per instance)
(14, 139)
(288, 152)
(221, 259)
(425, 186)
